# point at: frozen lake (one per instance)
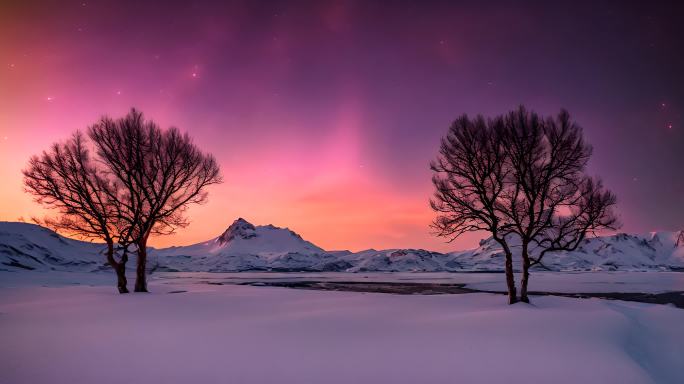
(567, 282)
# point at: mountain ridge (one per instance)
(246, 247)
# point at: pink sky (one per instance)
(286, 167)
(324, 115)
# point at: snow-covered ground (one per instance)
(61, 320)
(60, 333)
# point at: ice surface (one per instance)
(563, 282)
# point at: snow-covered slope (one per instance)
(32, 247)
(245, 247)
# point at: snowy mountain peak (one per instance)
(245, 238)
(247, 247)
(240, 229)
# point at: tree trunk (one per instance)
(140, 275)
(119, 268)
(510, 279)
(525, 274)
(121, 277)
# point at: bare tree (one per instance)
(591, 211)
(67, 179)
(163, 172)
(469, 179)
(519, 176)
(552, 204)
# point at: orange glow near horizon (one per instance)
(321, 189)
(326, 194)
(290, 160)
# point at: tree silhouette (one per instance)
(67, 179)
(590, 211)
(519, 176)
(550, 203)
(162, 170)
(139, 182)
(470, 175)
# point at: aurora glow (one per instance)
(324, 115)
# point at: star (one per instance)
(195, 71)
(669, 125)
(50, 98)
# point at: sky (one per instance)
(324, 115)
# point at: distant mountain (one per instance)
(31, 247)
(245, 247)
(399, 260)
(657, 250)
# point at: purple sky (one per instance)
(324, 115)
